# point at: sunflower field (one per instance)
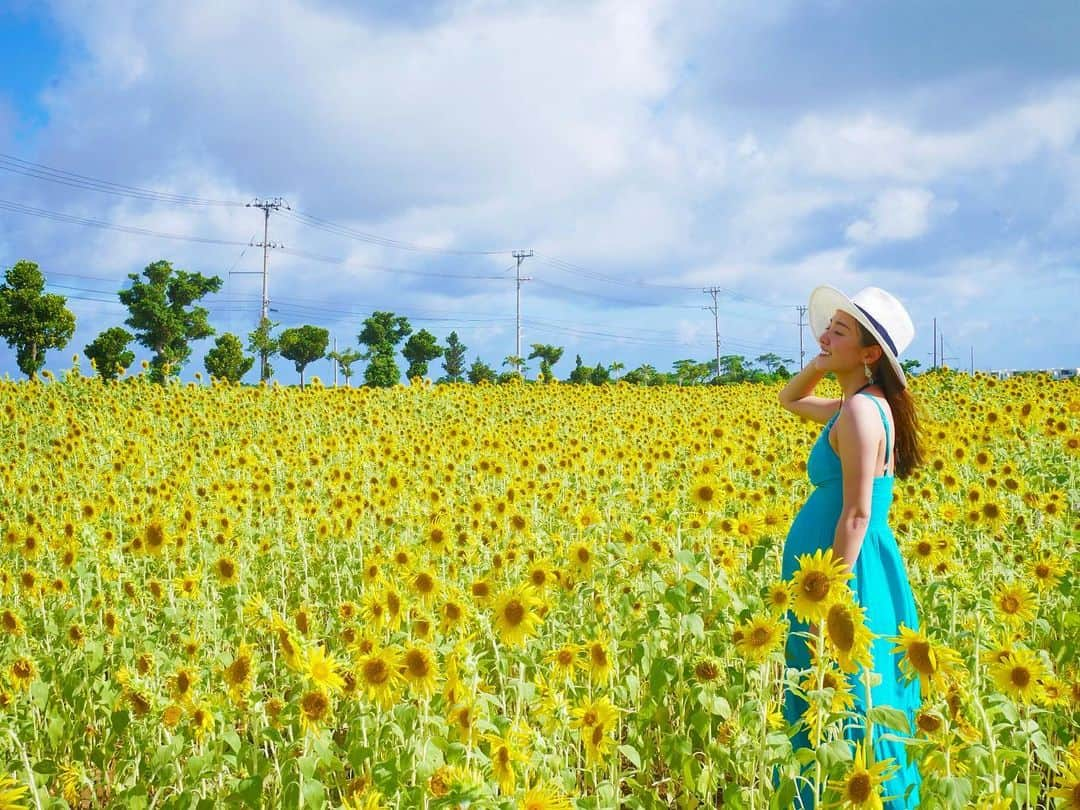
(519, 596)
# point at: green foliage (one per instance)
(164, 315)
(109, 352)
(265, 346)
(549, 355)
(303, 345)
(481, 372)
(345, 360)
(581, 373)
(384, 330)
(909, 366)
(382, 371)
(419, 350)
(31, 320)
(454, 358)
(644, 375)
(227, 361)
(600, 375)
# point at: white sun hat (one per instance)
(880, 312)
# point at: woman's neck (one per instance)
(852, 382)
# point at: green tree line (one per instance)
(165, 317)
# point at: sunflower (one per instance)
(601, 666)
(842, 700)
(934, 664)
(847, 635)
(778, 598)
(596, 721)
(239, 674)
(315, 709)
(1019, 675)
(183, 683)
(1047, 572)
(1068, 789)
(1015, 604)
(705, 492)
(861, 786)
(322, 670)
(380, 677)
(545, 798)
(22, 672)
(503, 753)
(11, 624)
(564, 662)
(200, 720)
(11, 794)
(758, 637)
(581, 560)
(227, 571)
(420, 669)
(462, 718)
(515, 614)
(817, 584)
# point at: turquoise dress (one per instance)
(880, 585)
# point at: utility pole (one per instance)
(275, 204)
(715, 310)
(520, 255)
(802, 311)
(935, 344)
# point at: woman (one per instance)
(870, 438)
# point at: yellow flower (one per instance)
(1068, 789)
(861, 786)
(11, 794)
(847, 635)
(819, 581)
(545, 798)
(758, 637)
(315, 710)
(420, 669)
(935, 665)
(843, 700)
(1019, 674)
(564, 662)
(779, 598)
(322, 670)
(515, 614)
(705, 492)
(379, 674)
(201, 720)
(23, 672)
(600, 663)
(503, 753)
(1015, 604)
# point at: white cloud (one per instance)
(896, 214)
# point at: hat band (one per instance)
(881, 329)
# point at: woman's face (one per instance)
(840, 343)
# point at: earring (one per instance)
(868, 372)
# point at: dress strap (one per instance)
(885, 422)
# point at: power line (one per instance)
(383, 268)
(26, 210)
(38, 171)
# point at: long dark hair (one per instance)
(908, 445)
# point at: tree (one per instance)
(580, 374)
(481, 372)
(909, 366)
(733, 368)
(303, 345)
(382, 332)
(549, 355)
(454, 358)
(420, 349)
(345, 360)
(691, 372)
(772, 362)
(265, 346)
(164, 315)
(643, 375)
(600, 375)
(227, 361)
(31, 320)
(109, 352)
(615, 368)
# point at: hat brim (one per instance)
(825, 300)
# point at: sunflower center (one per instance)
(858, 788)
(1020, 676)
(920, 657)
(514, 612)
(376, 672)
(816, 586)
(566, 658)
(1010, 604)
(841, 628)
(1042, 570)
(759, 637)
(314, 705)
(417, 664)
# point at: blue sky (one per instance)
(643, 149)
